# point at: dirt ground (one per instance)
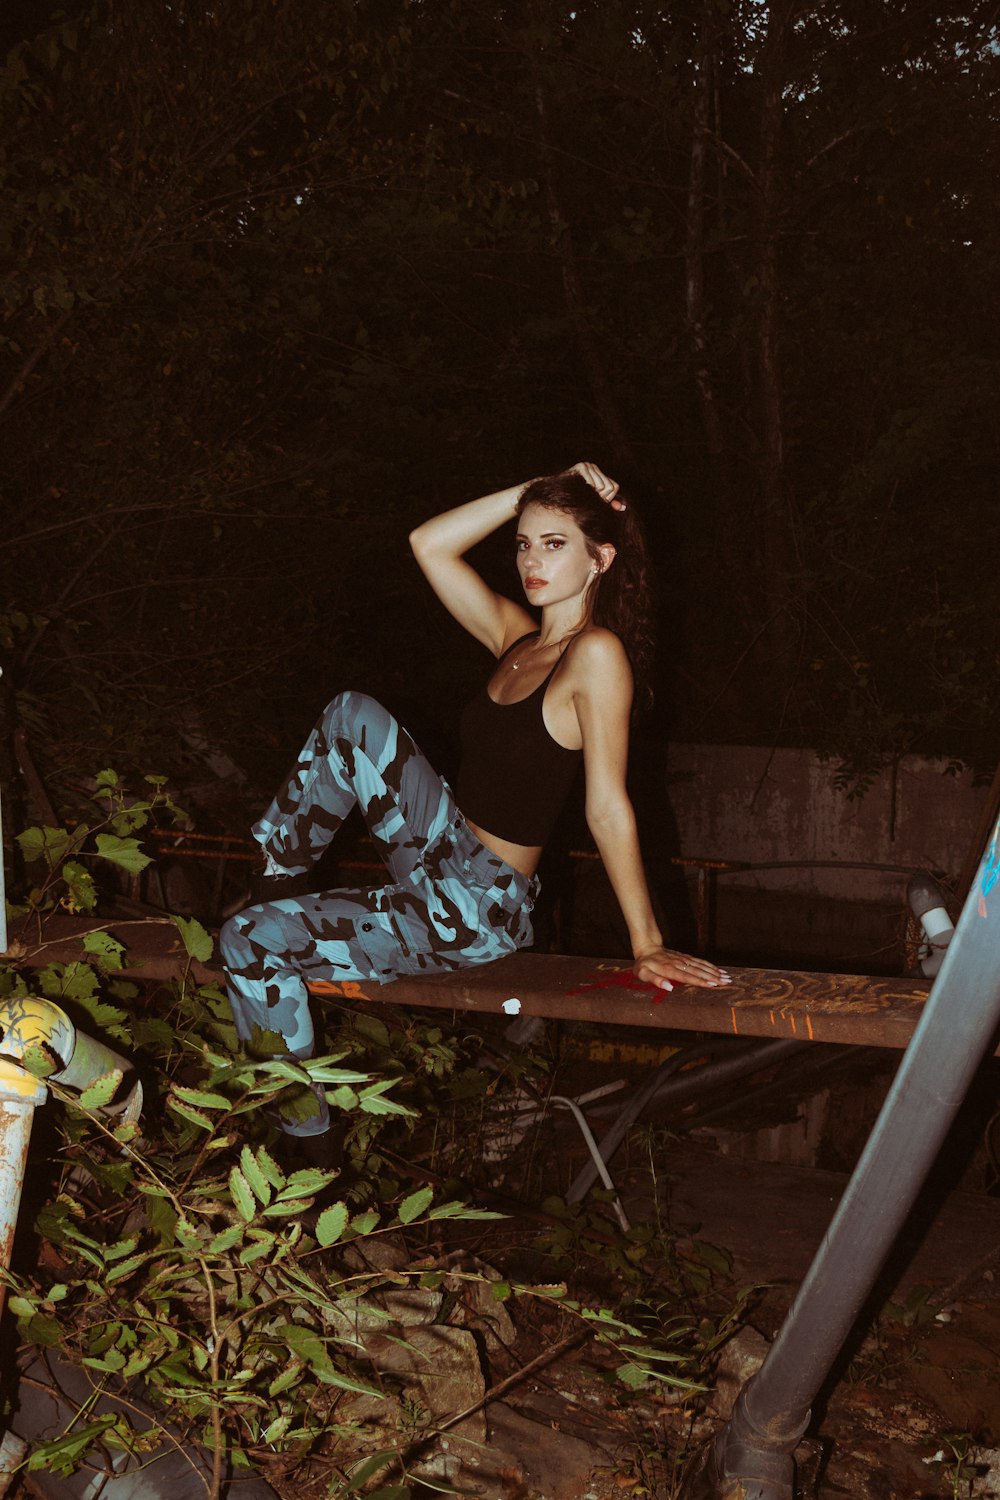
(742, 1182)
(911, 1407)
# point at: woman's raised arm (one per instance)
(440, 545)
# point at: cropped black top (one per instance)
(514, 777)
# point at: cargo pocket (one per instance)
(381, 939)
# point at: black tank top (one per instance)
(514, 777)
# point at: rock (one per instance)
(524, 1457)
(441, 1372)
(471, 1279)
(739, 1359)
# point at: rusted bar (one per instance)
(852, 1008)
(20, 1096)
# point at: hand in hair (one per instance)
(599, 481)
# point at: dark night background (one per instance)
(279, 279)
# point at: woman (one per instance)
(463, 866)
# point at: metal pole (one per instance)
(20, 1094)
(751, 1458)
(27, 1022)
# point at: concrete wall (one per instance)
(841, 893)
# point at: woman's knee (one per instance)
(357, 717)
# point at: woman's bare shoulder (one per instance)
(597, 649)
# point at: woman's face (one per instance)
(552, 557)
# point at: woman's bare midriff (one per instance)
(523, 857)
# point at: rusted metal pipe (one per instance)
(752, 1456)
(29, 1023)
(20, 1095)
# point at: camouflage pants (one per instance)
(451, 901)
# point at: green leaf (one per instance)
(77, 981)
(343, 1098)
(257, 1250)
(125, 853)
(412, 1207)
(276, 1429)
(81, 893)
(199, 1098)
(280, 1067)
(226, 1239)
(62, 1454)
(331, 1224)
(104, 947)
(288, 1377)
(187, 1235)
(39, 1062)
(371, 1101)
(241, 1195)
(268, 1167)
(112, 1361)
(122, 1248)
(103, 1090)
(204, 1122)
(324, 1072)
(305, 1344)
(197, 942)
(365, 1223)
(372, 1028)
(48, 1333)
(255, 1176)
(50, 844)
(458, 1210)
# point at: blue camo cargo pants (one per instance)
(451, 901)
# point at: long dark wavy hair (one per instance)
(620, 598)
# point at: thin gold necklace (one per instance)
(515, 664)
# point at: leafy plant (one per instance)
(181, 1253)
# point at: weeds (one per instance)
(177, 1256)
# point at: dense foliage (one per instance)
(220, 1294)
(279, 278)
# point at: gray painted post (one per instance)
(751, 1458)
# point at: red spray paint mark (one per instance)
(625, 979)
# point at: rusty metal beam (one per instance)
(851, 1008)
